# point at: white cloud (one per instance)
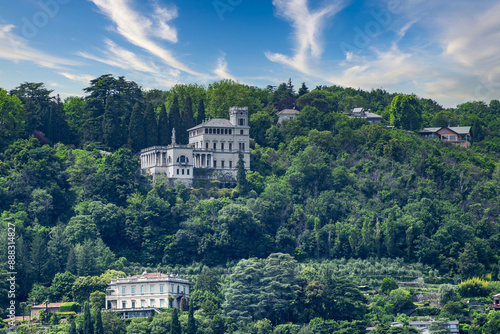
(140, 30)
(308, 28)
(82, 78)
(16, 48)
(222, 71)
(122, 58)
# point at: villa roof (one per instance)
(289, 112)
(150, 275)
(461, 130)
(49, 305)
(220, 122)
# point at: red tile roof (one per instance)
(49, 305)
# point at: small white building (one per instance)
(212, 152)
(287, 115)
(140, 295)
(372, 118)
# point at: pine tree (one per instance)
(98, 327)
(303, 89)
(137, 137)
(150, 126)
(174, 117)
(175, 325)
(191, 325)
(187, 121)
(87, 320)
(164, 133)
(241, 175)
(200, 116)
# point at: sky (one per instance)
(445, 50)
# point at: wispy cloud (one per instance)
(141, 31)
(122, 58)
(15, 48)
(82, 78)
(308, 26)
(222, 71)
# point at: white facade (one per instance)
(287, 115)
(213, 148)
(146, 291)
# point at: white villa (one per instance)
(140, 295)
(212, 151)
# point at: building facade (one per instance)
(372, 118)
(141, 294)
(457, 135)
(212, 152)
(287, 115)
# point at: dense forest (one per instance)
(325, 192)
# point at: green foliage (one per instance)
(70, 307)
(84, 286)
(388, 284)
(446, 294)
(401, 299)
(406, 112)
(88, 327)
(474, 287)
(175, 325)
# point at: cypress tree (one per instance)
(163, 127)
(72, 327)
(150, 126)
(87, 320)
(200, 116)
(175, 325)
(187, 120)
(174, 117)
(241, 175)
(136, 135)
(98, 327)
(191, 325)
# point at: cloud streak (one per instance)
(141, 31)
(308, 27)
(16, 48)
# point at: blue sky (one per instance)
(445, 50)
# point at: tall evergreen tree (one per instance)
(175, 325)
(241, 175)
(200, 116)
(137, 137)
(164, 131)
(98, 327)
(111, 126)
(87, 320)
(57, 127)
(72, 327)
(303, 89)
(150, 126)
(174, 117)
(187, 121)
(191, 325)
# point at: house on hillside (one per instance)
(457, 135)
(212, 152)
(452, 327)
(287, 115)
(496, 302)
(369, 116)
(51, 308)
(142, 295)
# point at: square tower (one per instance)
(238, 116)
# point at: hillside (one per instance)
(322, 187)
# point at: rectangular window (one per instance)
(215, 146)
(242, 146)
(453, 137)
(133, 289)
(133, 303)
(241, 132)
(172, 288)
(162, 302)
(225, 131)
(152, 303)
(184, 290)
(124, 305)
(206, 131)
(206, 146)
(222, 146)
(143, 303)
(230, 164)
(215, 163)
(188, 171)
(161, 288)
(230, 131)
(177, 171)
(152, 289)
(142, 289)
(230, 146)
(124, 290)
(222, 164)
(183, 171)
(242, 121)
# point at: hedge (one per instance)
(69, 307)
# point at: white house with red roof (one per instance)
(142, 295)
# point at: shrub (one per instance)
(474, 287)
(69, 307)
(428, 311)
